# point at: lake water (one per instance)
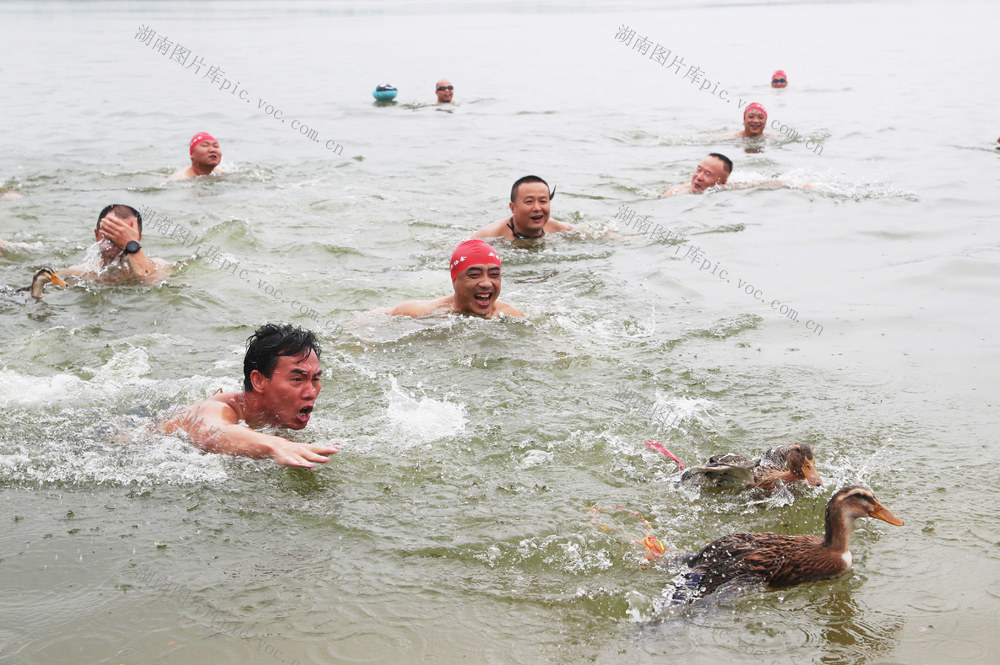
(454, 526)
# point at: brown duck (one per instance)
(38, 282)
(781, 560)
(777, 466)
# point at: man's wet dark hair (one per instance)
(121, 210)
(271, 341)
(725, 160)
(526, 180)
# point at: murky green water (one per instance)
(453, 526)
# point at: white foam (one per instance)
(25, 390)
(536, 458)
(420, 421)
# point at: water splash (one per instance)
(419, 421)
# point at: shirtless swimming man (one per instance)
(529, 207)
(281, 381)
(475, 276)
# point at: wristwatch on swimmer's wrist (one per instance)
(131, 247)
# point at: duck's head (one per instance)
(802, 461)
(857, 501)
(43, 277)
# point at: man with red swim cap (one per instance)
(205, 156)
(754, 121)
(779, 79)
(475, 276)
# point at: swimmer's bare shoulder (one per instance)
(185, 173)
(417, 308)
(501, 229)
(221, 409)
(554, 226)
(161, 271)
(497, 229)
(508, 310)
(677, 189)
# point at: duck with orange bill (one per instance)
(777, 467)
(784, 560)
(38, 282)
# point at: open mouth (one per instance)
(303, 414)
(483, 300)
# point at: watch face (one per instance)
(131, 247)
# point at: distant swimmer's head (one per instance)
(475, 274)
(754, 119)
(779, 79)
(530, 205)
(445, 91)
(281, 368)
(205, 153)
(127, 214)
(711, 171)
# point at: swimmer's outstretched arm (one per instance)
(213, 426)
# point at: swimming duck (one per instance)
(784, 464)
(786, 560)
(41, 278)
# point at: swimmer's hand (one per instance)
(291, 453)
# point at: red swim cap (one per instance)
(199, 137)
(756, 106)
(472, 253)
(780, 72)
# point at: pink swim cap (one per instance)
(780, 72)
(472, 253)
(756, 106)
(198, 138)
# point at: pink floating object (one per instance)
(658, 447)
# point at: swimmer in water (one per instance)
(205, 156)
(714, 170)
(529, 219)
(779, 79)
(711, 171)
(123, 260)
(754, 122)
(8, 195)
(445, 92)
(475, 276)
(281, 381)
